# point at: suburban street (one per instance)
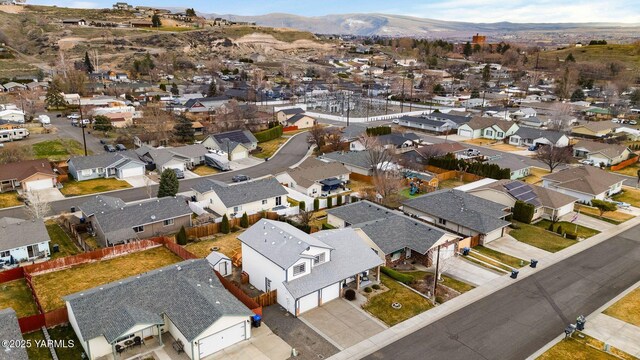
(288, 155)
(516, 321)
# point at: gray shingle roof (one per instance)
(361, 212)
(117, 224)
(461, 208)
(101, 203)
(18, 232)
(189, 293)
(531, 133)
(292, 111)
(103, 160)
(425, 121)
(164, 155)
(10, 330)
(350, 256)
(513, 163)
(353, 158)
(279, 242)
(240, 136)
(242, 193)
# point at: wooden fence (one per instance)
(214, 228)
(240, 295)
(625, 163)
(267, 299)
(11, 274)
(359, 177)
(289, 128)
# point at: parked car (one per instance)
(615, 120)
(103, 141)
(396, 121)
(633, 122)
(109, 148)
(179, 173)
(73, 116)
(533, 147)
(120, 147)
(587, 162)
(240, 178)
(620, 204)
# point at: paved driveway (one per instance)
(469, 272)
(342, 323)
(618, 333)
(244, 163)
(510, 246)
(49, 195)
(263, 345)
(139, 181)
(589, 222)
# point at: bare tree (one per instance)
(317, 135)
(148, 187)
(553, 156)
(378, 157)
(560, 116)
(157, 122)
(387, 185)
(36, 206)
(15, 153)
(444, 263)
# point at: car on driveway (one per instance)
(240, 178)
(587, 162)
(109, 148)
(179, 173)
(120, 147)
(620, 204)
(396, 121)
(73, 116)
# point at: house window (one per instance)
(5, 254)
(278, 200)
(442, 221)
(500, 134)
(298, 269)
(86, 172)
(264, 202)
(168, 222)
(488, 132)
(319, 259)
(138, 228)
(237, 209)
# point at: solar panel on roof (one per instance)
(512, 185)
(238, 137)
(519, 191)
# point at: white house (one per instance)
(23, 240)
(487, 128)
(235, 199)
(181, 158)
(584, 182)
(11, 115)
(306, 270)
(601, 153)
(527, 136)
(179, 305)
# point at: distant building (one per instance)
(75, 22)
(122, 6)
(478, 39)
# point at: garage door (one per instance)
(465, 133)
(222, 339)
(239, 155)
(132, 172)
(330, 292)
(39, 184)
(308, 302)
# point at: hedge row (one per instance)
(270, 134)
(403, 278)
(523, 212)
(449, 162)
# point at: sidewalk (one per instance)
(411, 325)
(510, 246)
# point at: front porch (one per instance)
(362, 280)
(150, 348)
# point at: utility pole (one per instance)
(435, 280)
(82, 125)
(348, 107)
(402, 101)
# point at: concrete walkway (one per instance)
(614, 332)
(469, 272)
(510, 246)
(589, 222)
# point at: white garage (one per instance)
(220, 340)
(465, 133)
(38, 184)
(330, 292)
(307, 302)
(134, 171)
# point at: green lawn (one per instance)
(67, 335)
(37, 352)
(628, 195)
(380, 305)
(457, 285)
(631, 170)
(627, 309)
(16, 294)
(451, 183)
(406, 193)
(9, 199)
(75, 188)
(540, 238)
(58, 236)
(583, 231)
(59, 149)
(512, 261)
(586, 348)
(270, 147)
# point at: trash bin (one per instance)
(73, 209)
(580, 322)
(256, 320)
(55, 248)
(534, 263)
(514, 273)
(465, 251)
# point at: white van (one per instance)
(44, 119)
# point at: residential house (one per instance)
(426, 124)
(548, 203)
(11, 334)
(584, 182)
(285, 114)
(122, 6)
(75, 22)
(12, 86)
(517, 166)
(527, 136)
(445, 100)
(632, 134)
(314, 177)
(460, 213)
(393, 236)
(355, 161)
(12, 115)
(120, 165)
(395, 142)
(114, 222)
(487, 128)
(419, 158)
(23, 240)
(207, 104)
(141, 23)
(27, 175)
(307, 271)
(253, 196)
(601, 153)
(238, 143)
(454, 119)
(120, 119)
(594, 129)
(301, 121)
(181, 158)
(182, 303)
(474, 103)
(198, 128)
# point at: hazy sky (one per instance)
(453, 10)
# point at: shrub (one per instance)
(398, 276)
(181, 238)
(302, 205)
(339, 200)
(326, 226)
(329, 202)
(224, 225)
(375, 286)
(316, 204)
(514, 226)
(235, 228)
(270, 134)
(439, 299)
(368, 289)
(550, 228)
(571, 235)
(523, 212)
(350, 294)
(559, 230)
(244, 221)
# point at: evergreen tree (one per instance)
(468, 50)
(183, 130)
(102, 123)
(316, 202)
(486, 73)
(438, 89)
(244, 221)
(213, 89)
(181, 237)
(302, 205)
(163, 87)
(225, 228)
(475, 94)
(168, 184)
(578, 95)
(174, 89)
(54, 98)
(190, 12)
(87, 63)
(570, 58)
(155, 21)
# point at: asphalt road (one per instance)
(516, 321)
(288, 155)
